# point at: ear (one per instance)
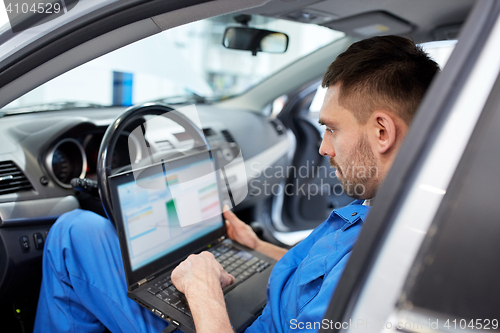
(384, 128)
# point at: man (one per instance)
(374, 89)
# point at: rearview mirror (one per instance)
(255, 40)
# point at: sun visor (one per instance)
(447, 32)
(377, 23)
(309, 15)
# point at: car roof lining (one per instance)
(204, 10)
(424, 15)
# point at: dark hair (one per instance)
(388, 72)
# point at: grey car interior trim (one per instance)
(21, 212)
(442, 284)
(204, 10)
(441, 287)
(281, 232)
(434, 109)
(266, 158)
(103, 11)
(363, 25)
(425, 15)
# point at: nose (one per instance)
(326, 148)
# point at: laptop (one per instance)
(167, 211)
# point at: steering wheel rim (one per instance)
(108, 143)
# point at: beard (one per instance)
(355, 171)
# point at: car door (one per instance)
(312, 190)
(408, 265)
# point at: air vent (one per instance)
(280, 129)
(164, 145)
(208, 132)
(228, 136)
(12, 179)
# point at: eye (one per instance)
(329, 130)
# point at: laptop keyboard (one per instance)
(240, 264)
(166, 291)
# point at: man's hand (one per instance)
(200, 270)
(201, 278)
(240, 231)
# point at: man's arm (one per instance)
(270, 250)
(201, 278)
(243, 234)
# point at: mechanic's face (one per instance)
(346, 143)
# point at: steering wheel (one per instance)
(108, 143)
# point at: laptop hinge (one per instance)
(140, 283)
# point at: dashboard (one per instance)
(77, 157)
(41, 152)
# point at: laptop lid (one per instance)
(165, 212)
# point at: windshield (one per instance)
(180, 65)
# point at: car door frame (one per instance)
(432, 116)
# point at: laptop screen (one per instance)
(167, 206)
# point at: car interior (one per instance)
(64, 82)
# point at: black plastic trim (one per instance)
(83, 29)
(22, 222)
(433, 111)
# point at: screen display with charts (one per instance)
(168, 206)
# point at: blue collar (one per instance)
(352, 213)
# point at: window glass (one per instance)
(439, 51)
(184, 64)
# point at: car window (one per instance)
(440, 51)
(184, 64)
